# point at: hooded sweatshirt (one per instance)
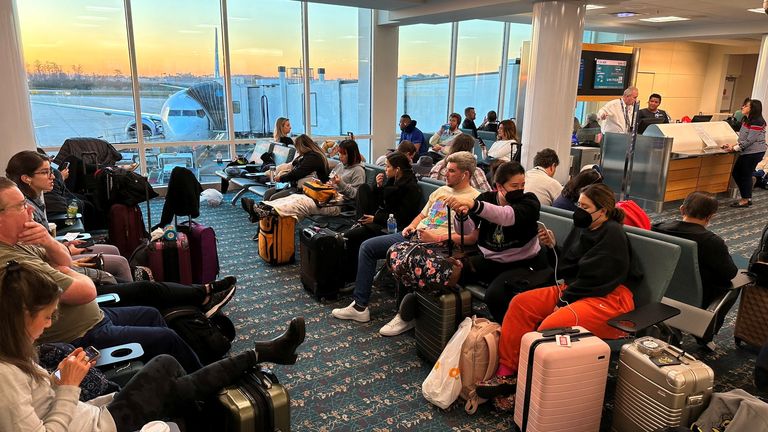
(413, 134)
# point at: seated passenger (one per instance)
(405, 147)
(506, 141)
(595, 262)
(34, 400)
(283, 131)
(309, 161)
(490, 122)
(462, 143)
(81, 322)
(409, 132)
(396, 192)
(431, 225)
(503, 225)
(570, 194)
(540, 179)
(346, 177)
(442, 140)
(715, 263)
(33, 175)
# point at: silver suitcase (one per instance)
(659, 386)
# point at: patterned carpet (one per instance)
(348, 377)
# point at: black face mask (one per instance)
(514, 196)
(582, 218)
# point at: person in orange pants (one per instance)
(595, 262)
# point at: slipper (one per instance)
(738, 205)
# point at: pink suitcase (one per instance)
(561, 388)
(170, 260)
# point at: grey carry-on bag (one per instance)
(659, 386)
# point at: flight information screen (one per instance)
(610, 74)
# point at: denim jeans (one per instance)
(370, 251)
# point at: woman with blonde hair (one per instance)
(283, 131)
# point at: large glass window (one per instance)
(265, 54)
(518, 33)
(80, 84)
(423, 67)
(478, 58)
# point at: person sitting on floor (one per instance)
(715, 263)
(431, 225)
(540, 179)
(503, 225)
(346, 177)
(34, 400)
(595, 261)
(571, 191)
(310, 161)
(462, 143)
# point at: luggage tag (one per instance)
(563, 340)
(665, 359)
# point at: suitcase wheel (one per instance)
(737, 342)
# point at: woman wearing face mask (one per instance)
(595, 263)
(503, 224)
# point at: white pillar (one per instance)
(760, 88)
(550, 97)
(15, 113)
(384, 115)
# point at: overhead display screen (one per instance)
(610, 74)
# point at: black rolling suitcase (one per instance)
(438, 318)
(256, 403)
(322, 256)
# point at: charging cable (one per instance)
(560, 283)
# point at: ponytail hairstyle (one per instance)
(23, 291)
(304, 145)
(279, 128)
(603, 197)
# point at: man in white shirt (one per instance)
(540, 181)
(616, 115)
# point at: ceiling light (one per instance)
(593, 7)
(664, 19)
(626, 14)
(756, 10)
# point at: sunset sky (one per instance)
(172, 37)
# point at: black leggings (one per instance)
(163, 390)
(159, 295)
(742, 172)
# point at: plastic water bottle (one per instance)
(391, 224)
(71, 212)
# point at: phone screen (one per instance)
(92, 353)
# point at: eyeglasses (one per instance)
(47, 173)
(22, 206)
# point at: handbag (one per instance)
(443, 384)
(321, 193)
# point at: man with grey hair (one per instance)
(431, 225)
(616, 115)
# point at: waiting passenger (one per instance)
(503, 225)
(504, 147)
(595, 263)
(469, 120)
(409, 132)
(441, 141)
(345, 177)
(396, 193)
(283, 131)
(571, 191)
(33, 399)
(462, 143)
(490, 122)
(309, 161)
(715, 263)
(405, 147)
(431, 225)
(540, 179)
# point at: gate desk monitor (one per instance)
(644, 123)
(701, 118)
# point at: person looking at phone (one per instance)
(309, 161)
(503, 225)
(431, 225)
(34, 400)
(442, 139)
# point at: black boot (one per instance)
(282, 349)
(247, 205)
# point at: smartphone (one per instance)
(64, 165)
(92, 353)
(86, 244)
(541, 225)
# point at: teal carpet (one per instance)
(348, 377)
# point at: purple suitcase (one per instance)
(170, 260)
(203, 250)
(126, 228)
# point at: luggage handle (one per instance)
(680, 354)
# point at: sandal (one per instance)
(498, 385)
(741, 205)
(504, 403)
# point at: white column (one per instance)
(760, 88)
(384, 115)
(550, 98)
(15, 113)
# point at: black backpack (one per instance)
(211, 339)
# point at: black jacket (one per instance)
(400, 198)
(305, 165)
(183, 196)
(469, 124)
(512, 236)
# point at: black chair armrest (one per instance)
(643, 317)
(107, 299)
(119, 354)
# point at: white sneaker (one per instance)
(350, 313)
(396, 326)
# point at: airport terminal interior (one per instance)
(198, 84)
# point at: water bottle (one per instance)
(71, 212)
(219, 157)
(391, 224)
(484, 151)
